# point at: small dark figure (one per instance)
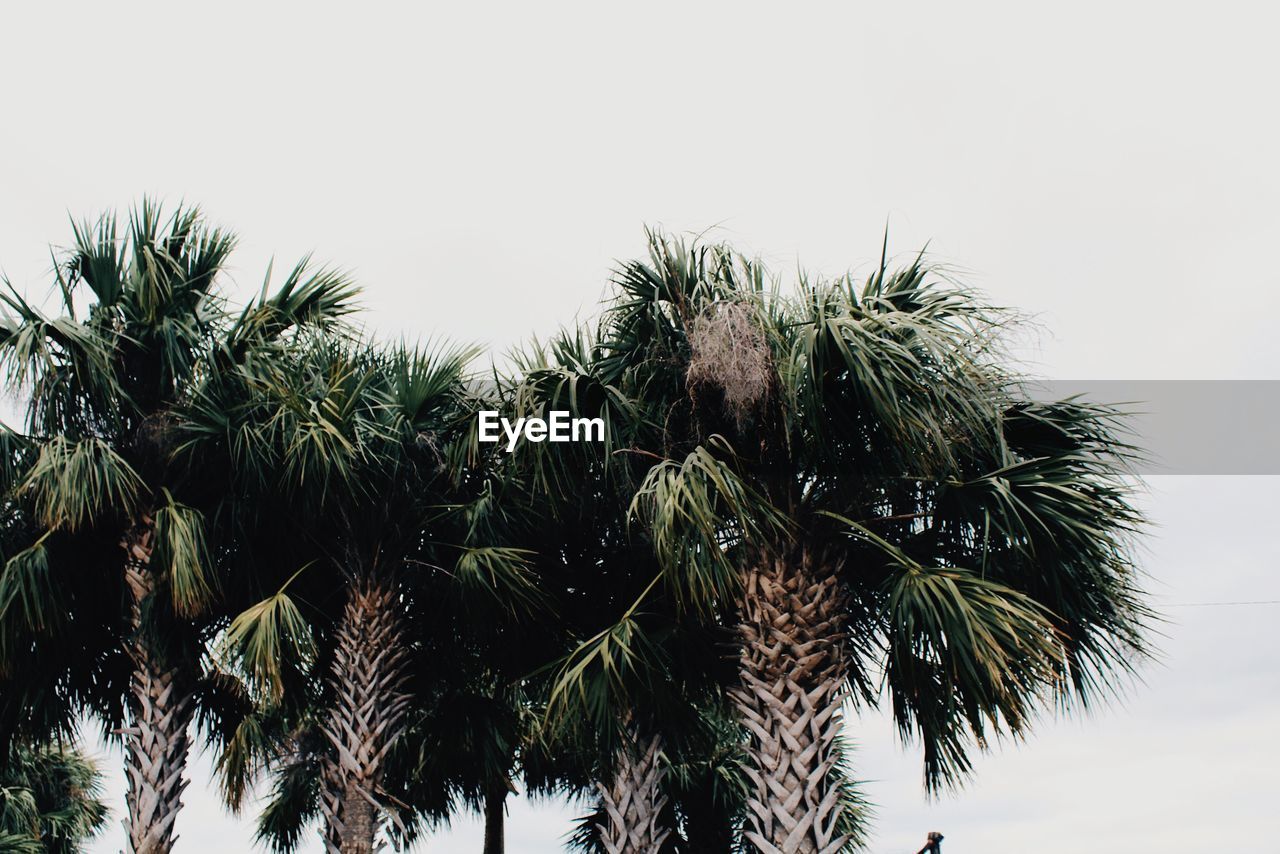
(933, 846)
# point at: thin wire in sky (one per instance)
(1221, 604)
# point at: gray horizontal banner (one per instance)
(1189, 426)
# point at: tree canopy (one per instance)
(812, 498)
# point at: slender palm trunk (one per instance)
(495, 814)
(367, 717)
(791, 681)
(633, 800)
(160, 708)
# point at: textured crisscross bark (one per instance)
(791, 681)
(160, 708)
(366, 720)
(633, 800)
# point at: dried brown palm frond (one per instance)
(728, 352)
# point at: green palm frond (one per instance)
(505, 574)
(562, 375)
(309, 297)
(198, 254)
(891, 386)
(964, 648)
(605, 674)
(321, 415)
(229, 416)
(63, 366)
(28, 594)
(698, 510)
(1057, 521)
(181, 550)
(236, 731)
(961, 649)
(73, 483)
(35, 345)
(243, 756)
(98, 260)
(19, 843)
(169, 265)
(269, 638)
(424, 382)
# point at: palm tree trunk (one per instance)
(633, 801)
(791, 681)
(160, 708)
(367, 717)
(495, 813)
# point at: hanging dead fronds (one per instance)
(729, 352)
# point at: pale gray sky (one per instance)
(1108, 167)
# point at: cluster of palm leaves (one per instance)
(262, 528)
(49, 801)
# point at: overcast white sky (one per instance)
(1108, 167)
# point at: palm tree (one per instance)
(389, 534)
(859, 475)
(639, 690)
(475, 739)
(50, 801)
(99, 512)
(589, 561)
